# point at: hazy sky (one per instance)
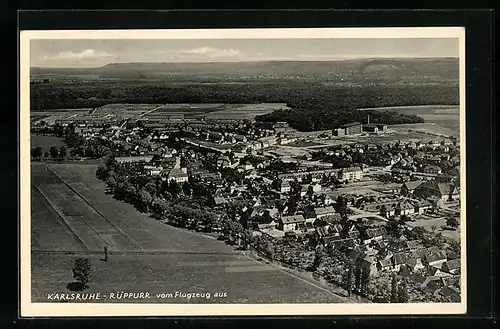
(94, 53)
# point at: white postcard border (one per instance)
(29, 309)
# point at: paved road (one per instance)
(168, 259)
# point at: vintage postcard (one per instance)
(243, 172)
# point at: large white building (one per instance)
(351, 174)
(178, 175)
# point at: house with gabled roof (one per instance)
(404, 208)
(413, 263)
(266, 225)
(442, 191)
(324, 211)
(373, 234)
(353, 232)
(178, 175)
(432, 284)
(219, 201)
(434, 258)
(452, 294)
(291, 223)
(304, 190)
(451, 281)
(435, 271)
(452, 266)
(435, 170)
(421, 205)
(398, 259)
(412, 244)
(409, 187)
(284, 186)
(384, 264)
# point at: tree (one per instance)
(455, 249)
(357, 277)
(159, 207)
(318, 257)
(81, 271)
(349, 279)
(111, 181)
(46, 155)
(174, 188)
(394, 289)
(403, 292)
(452, 222)
(53, 152)
(417, 233)
(102, 172)
(365, 280)
(433, 228)
(145, 199)
(62, 151)
(37, 152)
(341, 207)
(58, 130)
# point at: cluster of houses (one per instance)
(263, 196)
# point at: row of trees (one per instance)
(322, 116)
(183, 205)
(302, 94)
(53, 152)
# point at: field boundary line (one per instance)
(132, 242)
(299, 277)
(62, 220)
(128, 252)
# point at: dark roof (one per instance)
(405, 205)
(412, 244)
(219, 200)
(385, 262)
(324, 210)
(435, 256)
(177, 173)
(451, 293)
(292, 219)
(351, 169)
(399, 258)
(410, 261)
(412, 185)
(351, 124)
(453, 264)
(374, 232)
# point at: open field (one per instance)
(243, 279)
(439, 223)
(441, 119)
(431, 129)
(45, 142)
(189, 107)
(244, 111)
(304, 144)
(286, 151)
(419, 109)
(407, 132)
(72, 216)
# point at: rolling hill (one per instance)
(445, 69)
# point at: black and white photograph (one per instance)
(243, 172)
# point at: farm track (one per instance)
(129, 252)
(128, 238)
(63, 220)
(78, 226)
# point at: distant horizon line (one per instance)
(251, 61)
